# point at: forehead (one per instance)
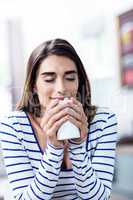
(56, 63)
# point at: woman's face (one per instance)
(57, 78)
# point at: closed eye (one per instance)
(49, 80)
(70, 77)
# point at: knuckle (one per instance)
(56, 124)
(67, 110)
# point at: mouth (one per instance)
(59, 97)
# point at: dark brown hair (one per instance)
(29, 101)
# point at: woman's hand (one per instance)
(55, 115)
(79, 119)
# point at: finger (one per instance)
(53, 130)
(51, 110)
(61, 114)
(77, 106)
(75, 101)
(52, 104)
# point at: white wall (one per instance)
(81, 22)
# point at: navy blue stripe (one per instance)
(7, 149)
(98, 129)
(35, 193)
(17, 188)
(108, 187)
(110, 126)
(61, 196)
(94, 185)
(106, 149)
(14, 164)
(46, 193)
(65, 184)
(82, 174)
(33, 150)
(112, 133)
(25, 170)
(22, 124)
(21, 179)
(76, 160)
(88, 185)
(111, 116)
(6, 157)
(92, 123)
(10, 142)
(102, 193)
(99, 163)
(66, 177)
(36, 168)
(45, 163)
(105, 179)
(55, 148)
(77, 153)
(58, 155)
(47, 178)
(79, 167)
(25, 132)
(75, 148)
(102, 113)
(55, 161)
(52, 173)
(81, 180)
(96, 139)
(98, 156)
(32, 142)
(20, 196)
(96, 192)
(61, 191)
(5, 133)
(16, 116)
(103, 171)
(9, 126)
(44, 184)
(112, 141)
(35, 159)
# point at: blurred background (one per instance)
(102, 33)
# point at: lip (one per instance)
(59, 98)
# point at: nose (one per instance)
(60, 87)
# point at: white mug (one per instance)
(67, 130)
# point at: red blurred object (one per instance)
(127, 77)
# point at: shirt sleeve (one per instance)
(94, 173)
(25, 184)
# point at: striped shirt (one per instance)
(37, 175)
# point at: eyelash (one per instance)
(52, 80)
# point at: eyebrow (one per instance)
(53, 73)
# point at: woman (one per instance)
(39, 166)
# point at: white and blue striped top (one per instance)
(37, 175)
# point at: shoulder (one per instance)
(11, 122)
(103, 127)
(13, 117)
(104, 121)
(103, 115)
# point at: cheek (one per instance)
(44, 93)
(74, 89)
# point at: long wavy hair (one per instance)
(29, 101)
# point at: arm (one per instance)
(93, 175)
(24, 183)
